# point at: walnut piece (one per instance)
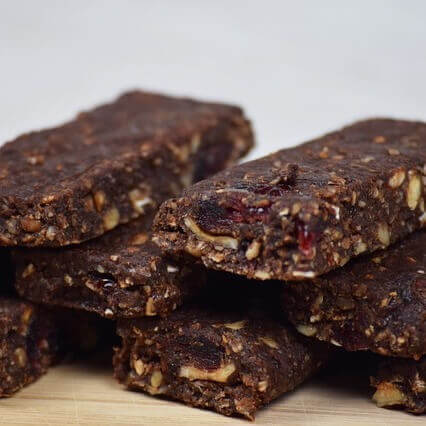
(220, 240)
(220, 374)
(388, 394)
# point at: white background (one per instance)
(299, 68)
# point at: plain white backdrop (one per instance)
(299, 68)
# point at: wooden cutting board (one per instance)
(85, 393)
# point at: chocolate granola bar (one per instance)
(401, 383)
(304, 211)
(233, 357)
(120, 274)
(112, 164)
(375, 302)
(28, 344)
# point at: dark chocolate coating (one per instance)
(304, 211)
(401, 383)
(28, 344)
(120, 274)
(375, 302)
(112, 164)
(233, 356)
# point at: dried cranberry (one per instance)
(247, 214)
(305, 238)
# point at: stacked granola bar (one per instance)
(303, 216)
(77, 202)
(230, 284)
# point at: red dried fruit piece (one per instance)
(305, 238)
(242, 214)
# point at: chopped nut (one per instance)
(172, 269)
(336, 211)
(99, 199)
(306, 330)
(397, 179)
(253, 250)
(360, 247)
(30, 225)
(414, 190)
(220, 374)
(30, 269)
(11, 226)
(139, 199)
(388, 394)
(262, 275)
(68, 279)
(21, 356)
(26, 315)
(225, 241)
(108, 312)
(150, 307)
(304, 274)
(111, 218)
(269, 342)
(379, 139)
(296, 208)
(393, 151)
(51, 233)
(195, 250)
(156, 378)
(140, 367)
(262, 385)
(238, 325)
(383, 234)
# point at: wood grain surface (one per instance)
(81, 393)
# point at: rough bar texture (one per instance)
(28, 344)
(304, 211)
(232, 361)
(375, 302)
(401, 383)
(120, 274)
(72, 183)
